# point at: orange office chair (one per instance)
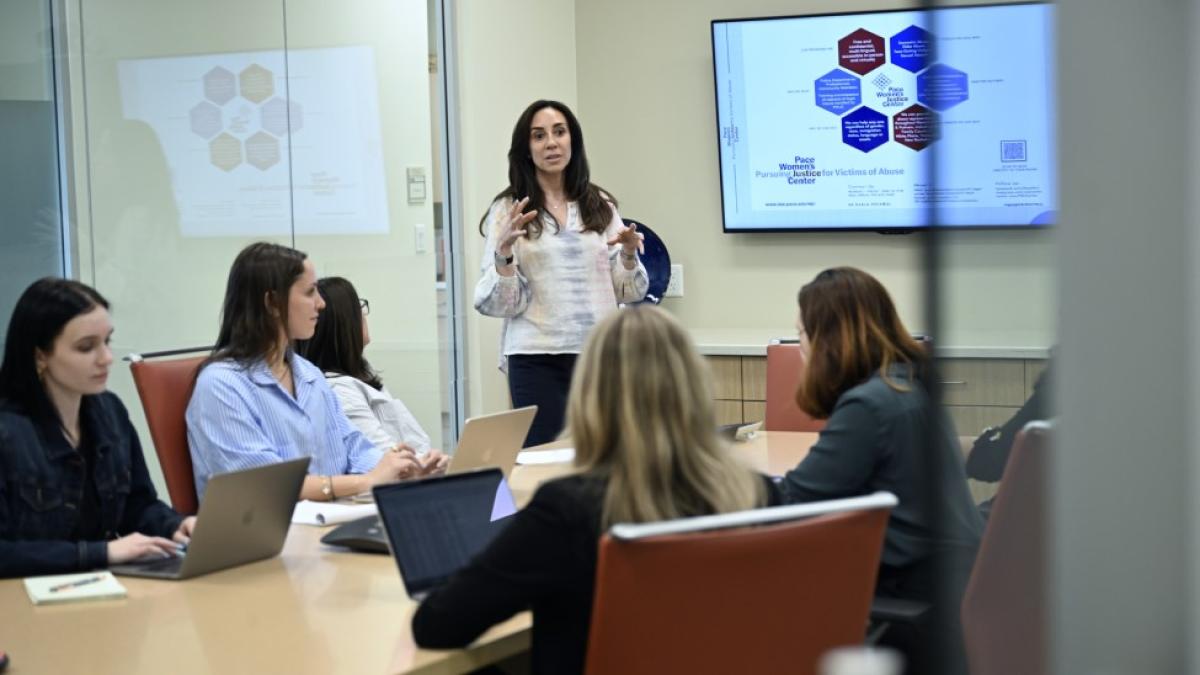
(762, 591)
(785, 366)
(165, 388)
(1003, 609)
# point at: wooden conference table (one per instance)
(313, 609)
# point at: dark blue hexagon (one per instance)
(913, 49)
(942, 87)
(865, 129)
(838, 91)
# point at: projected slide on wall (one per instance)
(246, 146)
(870, 121)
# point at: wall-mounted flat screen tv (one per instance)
(887, 121)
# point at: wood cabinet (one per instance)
(977, 393)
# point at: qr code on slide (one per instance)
(1012, 151)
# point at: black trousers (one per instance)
(542, 380)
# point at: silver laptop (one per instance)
(436, 525)
(492, 440)
(244, 517)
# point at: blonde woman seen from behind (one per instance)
(646, 450)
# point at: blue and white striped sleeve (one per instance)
(362, 455)
(223, 434)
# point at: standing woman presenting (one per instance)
(557, 260)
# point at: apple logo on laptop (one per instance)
(248, 517)
(487, 455)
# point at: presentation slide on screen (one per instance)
(872, 121)
(244, 146)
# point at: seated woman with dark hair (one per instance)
(863, 374)
(75, 494)
(336, 348)
(257, 402)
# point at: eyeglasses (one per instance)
(366, 306)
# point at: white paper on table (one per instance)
(558, 456)
(330, 513)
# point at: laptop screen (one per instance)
(436, 525)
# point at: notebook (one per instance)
(244, 517)
(57, 588)
(436, 525)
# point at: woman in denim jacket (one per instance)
(74, 490)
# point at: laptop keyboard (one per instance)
(164, 565)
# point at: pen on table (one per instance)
(74, 584)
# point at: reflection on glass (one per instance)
(31, 244)
(223, 121)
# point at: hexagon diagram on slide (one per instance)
(220, 86)
(865, 129)
(277, 115)
(942, 87)
(205, 119)
(913, 49)
(257, 83)
(861, 52)
(916, 127)
(262, 151)
(838, 91)
(225, 152)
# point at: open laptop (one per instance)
(436, 525)
(492, 440)
(244, 517)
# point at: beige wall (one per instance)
(646, 105)
(510, 54)
(167, 288)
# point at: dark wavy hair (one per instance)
(37, 320)
(595, 204)
(337, 344)
(854, 332)
(259, 281)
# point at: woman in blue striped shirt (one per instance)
(257, 402)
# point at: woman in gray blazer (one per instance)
(864, 375)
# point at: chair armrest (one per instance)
(896, 610)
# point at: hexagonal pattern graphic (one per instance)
(865, 129)
(838, 91)
(262, 151)
(220, 86)
(257, 83)
(275, 116)
(225, 152)
(205, 119)
(861, 52)
(913, 49)
(942, 87)
(916, 127)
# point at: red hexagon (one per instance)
(861, 51)
(916, 126)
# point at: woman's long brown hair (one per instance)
(854, 332)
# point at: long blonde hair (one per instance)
(640, 414)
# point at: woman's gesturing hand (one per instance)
(512, 226)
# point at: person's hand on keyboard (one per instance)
(137, 545)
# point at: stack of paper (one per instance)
(330, 513)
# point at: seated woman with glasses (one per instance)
(75, 494)
(646, 449)
(257, 402)
(336, 347)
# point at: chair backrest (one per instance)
(785, 367)
(766, 593)
(164, 386)
(1003, 610)
(657, 261)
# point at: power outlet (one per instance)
(675, 284)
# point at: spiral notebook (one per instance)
(73, 588)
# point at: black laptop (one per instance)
(436, 525)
